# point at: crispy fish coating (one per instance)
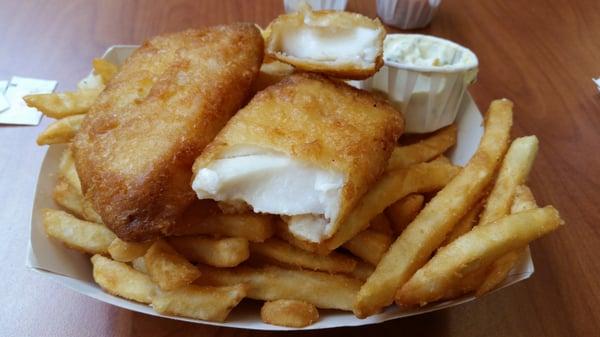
(172, 96)
(321, 122)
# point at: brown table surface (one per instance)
(541, 54)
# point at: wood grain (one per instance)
(541, 54)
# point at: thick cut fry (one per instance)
(67, 197)
(273, 283)
(65, 104)
(381, 224)
(466, 285)
(61, 131)
(465, 224)
(124, 251)
(167, 268)
(105, 69)
(277, 251)
(207, 303)
(139, 264)
(497, 272)
(204, 217)
(89, 213)
(119, 279)
(369, 245)
(513, 172)
(82, 235)
(225, 252)
(424, 235)
(393, 186)
(473, 250)
(425, 150)
(66, 169)
(362, 271)
(290, 313)
(404, 211)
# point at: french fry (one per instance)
(404, 211)
(62, 105)
(119, 279)
(381, 223)
(465, 224)
(124, 251)
(66, 169)
(362, 271)
(224, 252)
(479, 247)
(205, 218)
(61, 131)
(290, 313)
(393, 186)
(207, 303)
(497, 271)
(67, 197)
(139, 264)
(369, 245)
(105, 69)
(167, 268)
(423, 236)
(425, 150)
(513, 172)
(328, 291)
(277, 251)
(82, 235)
(89, 213)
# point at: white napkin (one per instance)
(3, 101)
(19, 113)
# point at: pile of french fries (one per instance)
(426, 231)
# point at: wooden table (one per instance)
(541, 54)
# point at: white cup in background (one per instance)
(293, 5)
(407, 14)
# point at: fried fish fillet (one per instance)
(306, 148)
(172, 96)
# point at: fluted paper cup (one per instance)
(293, 5)
(407, 14)
(429, 96)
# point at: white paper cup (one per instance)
(407, 14)
(293, 5)
(428, 96)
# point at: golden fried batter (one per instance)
(172, 96)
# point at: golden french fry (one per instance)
(290, 313)
(479, 247)
(369, 245)
(381, 223)
(119, 279)
(404, 211)
(65, 104)
(61, 131)
(277, 251)
(425, 150)
(466, 284)
(224, 252)
(423, 236)
(66, 169)
(139, 264)
(513, 172)
(167, 268)
(124, 251)
(465, 224)
(204, 218)
(328, 291)
(393, 186)
(497, 271)
(207, 303)
(105, 69)
(89, 213)
(67, 197)
(362, 271)
(82, 235)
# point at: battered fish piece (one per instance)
(341, 44)
(136, 147)
(306, 148)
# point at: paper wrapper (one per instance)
(74, 270)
